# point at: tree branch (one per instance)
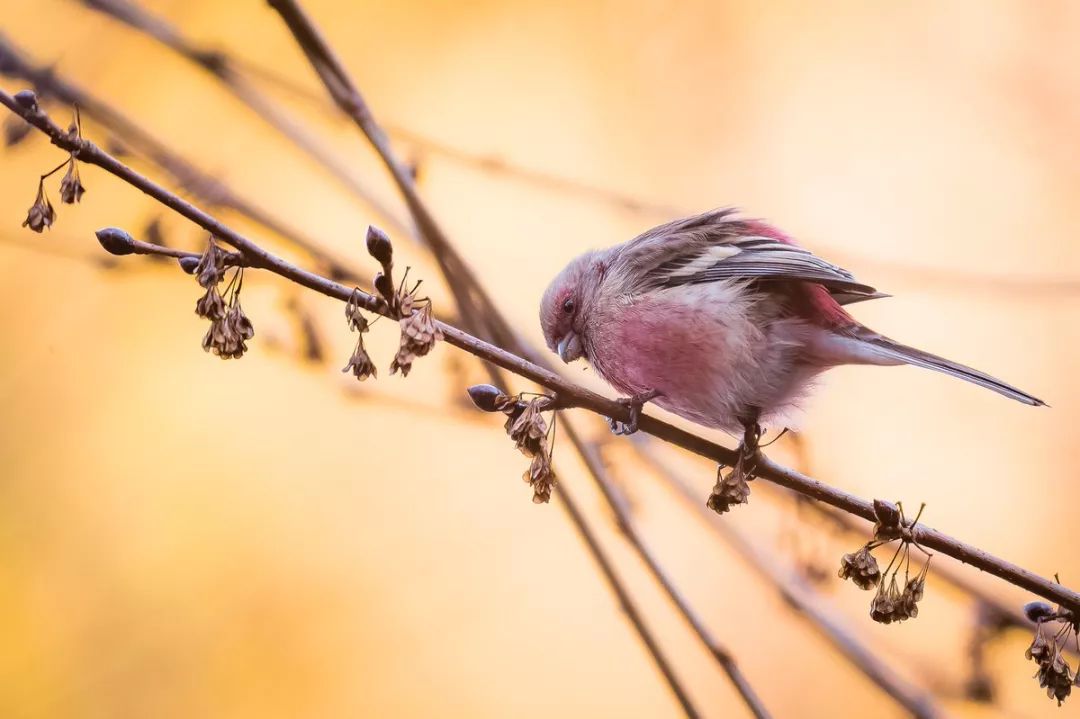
(225, 69)
(567, 392)
(15, 63)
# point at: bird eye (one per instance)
(568, 305)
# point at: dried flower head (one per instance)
(1054, 673)
(354, 314)
(419, 333)
(227, 336)
(1040, 650)
(41, 214)
(540, 477)
(528, 429)
(211, 267)
(360, 363)
(913, 594)
(861, 568)
(211, 305)
(71, 187)
(230, 328)
(886, 606)
(731, 488)
(1056, 677)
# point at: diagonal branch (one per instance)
(349, 99)
(568, 393)
(234, 75)
(210, 190)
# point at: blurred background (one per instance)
(181, 536)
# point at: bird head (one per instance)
(566, 303)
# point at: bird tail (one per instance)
(891, 350)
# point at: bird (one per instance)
(722, 320)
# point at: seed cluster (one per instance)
(230, 328)
(531, 434)
(419, 332)
(896, 600)
(42, 214)
(360, 363)
(1054, 673)
(734, 487)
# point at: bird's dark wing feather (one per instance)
(717, 246)
(761, 258)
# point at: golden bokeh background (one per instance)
(184, 537)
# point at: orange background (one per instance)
(264, 538)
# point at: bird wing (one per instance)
(717, 246)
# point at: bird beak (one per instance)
(570, 347)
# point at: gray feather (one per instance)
(909, 355)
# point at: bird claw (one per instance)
(634, 404)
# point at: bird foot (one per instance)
(635, 404)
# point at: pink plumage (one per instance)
(722, 320)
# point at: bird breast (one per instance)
(714, 351)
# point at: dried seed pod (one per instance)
(540, 477)
(71, 187)
(228, 334)
(529, 430)
(211, 267)
(360, 363)
(41, 214)
(730, 489)
(418, 335)
(912, 594)
(354, 315)
(861, 568)
(1055, 676)
(211, 305)
(886, 606)
(1040, 650)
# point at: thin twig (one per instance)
(230, 73)
(212, 191)
(625, 523)
(797, 593)
(473, 301)
(626, 601)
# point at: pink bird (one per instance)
(721, 320)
